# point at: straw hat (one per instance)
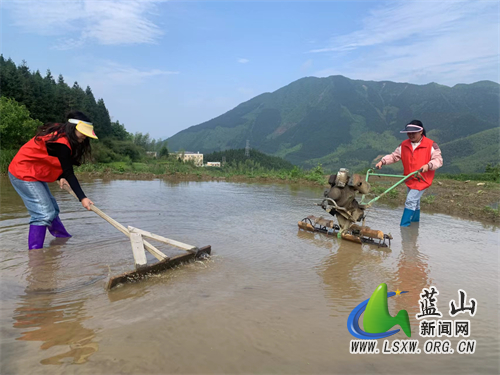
(86, 128)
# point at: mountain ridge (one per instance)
(313, 117)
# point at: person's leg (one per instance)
(416, 216)
(56, 228)
(36, 236)
(38, 201)
(411, 204)
(52, 199)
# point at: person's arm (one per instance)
(391, 158)
(63, 153)
(436, 158)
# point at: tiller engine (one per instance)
(340, 202)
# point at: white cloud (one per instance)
(110, 74)
(446, 42)
(243, 61)
(106, 22)
(65, 44)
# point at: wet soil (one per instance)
(467, 199)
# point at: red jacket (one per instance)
(415, 159)
(33, 163)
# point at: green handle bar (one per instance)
(403, 179)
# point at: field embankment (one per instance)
(471, 199)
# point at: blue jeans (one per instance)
(41, 205)
(413, 199)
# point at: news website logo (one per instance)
(377, 320)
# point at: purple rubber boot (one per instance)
(57, 228)
(36, 236)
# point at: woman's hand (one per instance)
(63, 182)
(379, 165)
(86, 203)
(424, 168)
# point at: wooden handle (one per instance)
(110, 220)
(69, 190)
(153, 250)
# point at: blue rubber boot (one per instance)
(57, 228)
(416, 216)
(406, 219)
(36, 236)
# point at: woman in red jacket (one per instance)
(48, 157)
(417, 153)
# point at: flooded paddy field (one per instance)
(272, 298)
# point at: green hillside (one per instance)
(467, 152)
(341, 122)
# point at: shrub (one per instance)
(429, 199)
(16, 125)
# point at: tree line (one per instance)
(29, 100)
(239, 156)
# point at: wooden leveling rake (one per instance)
(139, 245)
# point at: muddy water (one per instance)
(272, 299)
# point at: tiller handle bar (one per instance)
(369, 173)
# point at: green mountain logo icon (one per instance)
(377, 320)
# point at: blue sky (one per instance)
(163, 66)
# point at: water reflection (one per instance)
(317, 240)
(54, 318)
(347, 266)
(345, 271)
(352, 271)
(339, 271)
(412, 272)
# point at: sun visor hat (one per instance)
(411, 128)
(84, 127)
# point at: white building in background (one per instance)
(197, 158)
(213, 164)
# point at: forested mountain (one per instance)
(341, 122)
(335, 121)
